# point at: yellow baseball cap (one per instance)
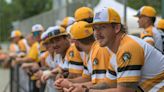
(146, 11)
(160, 24)
(67, 21)
(105, 15)
(16, 33)
(80, 31)
(83, 13)
(55, 31)
(37, 27)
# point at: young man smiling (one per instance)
(95, 61)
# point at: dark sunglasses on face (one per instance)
(35, 34)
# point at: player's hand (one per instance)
(57, 84)
(75, 88)
(66, 83)
(45, 76)
(68, 89)
(38, 74)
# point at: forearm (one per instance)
(79, 80)
(27, 60)
(87, 84)
(105, 90)
(73, 75)
(117, 89)
(103, 85)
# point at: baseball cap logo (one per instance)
(97, 15)
(36, 28)
(87, 32)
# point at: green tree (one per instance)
(28, 8)
(136, 4)
(19, 10)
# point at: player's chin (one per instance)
(58, 50)
(102, 43)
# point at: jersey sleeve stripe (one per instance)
(147, 36)
(150, 83)
(130, 73)
(110, 76)
(86, 76)
(75, 71)
(130, 67)
(71, 66)
(98, 76)
(112, 72)
(128, 79)
(99, 72)
(76, 63)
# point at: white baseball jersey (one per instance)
(137, 61)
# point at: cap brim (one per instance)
(136, 15)
(55, 36)
(96, 23)
(37, 31)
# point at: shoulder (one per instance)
(130, 50)
(149, 29)
(73, 54)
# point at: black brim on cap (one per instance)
(137, 15)
(49, 38)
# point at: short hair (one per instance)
(123, 28)
(153, 19)
(87, 40)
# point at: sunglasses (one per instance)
(35, 34)
(53, 33)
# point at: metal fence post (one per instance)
(162, 4)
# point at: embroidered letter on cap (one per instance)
(97, 16)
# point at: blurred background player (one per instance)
(84, 14)
(160, 27)
(32, 58)
(146, 19)
(16, 36)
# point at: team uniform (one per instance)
(24, 46)
(72, 61)
(96, 63)
(36, 51)
(51, 63)
(75, 60)
(24, 50)
(14, 48)
(43, 59)
(152, 35)
(137, 61)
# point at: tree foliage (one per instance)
(19, 10)
(136, 4)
